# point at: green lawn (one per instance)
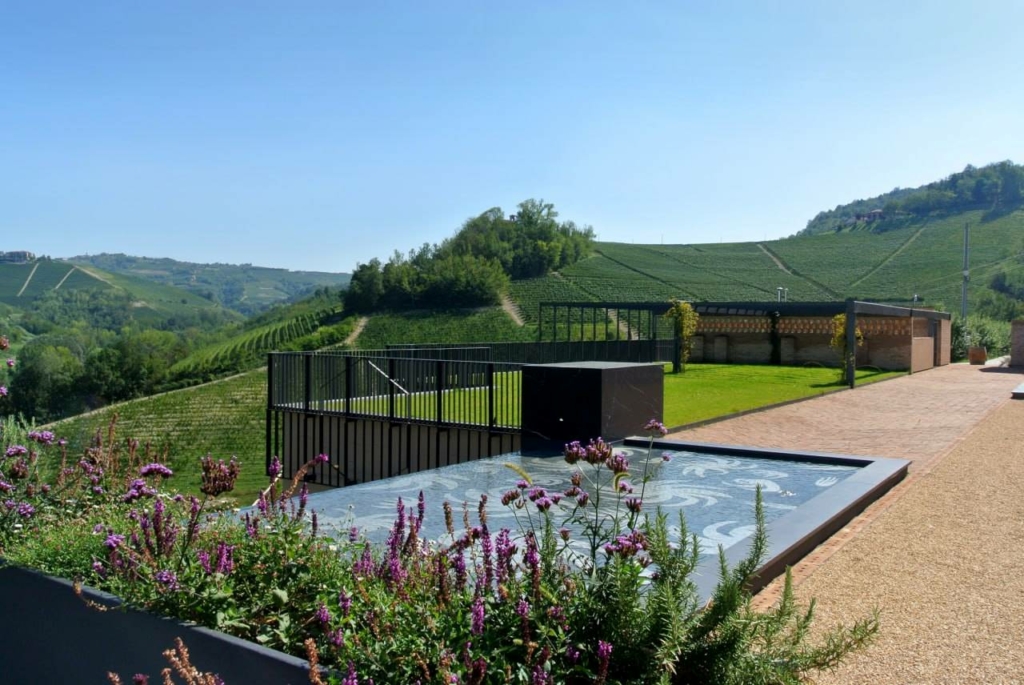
(708, 391)
(705, 391)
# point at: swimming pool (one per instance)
(806, 496)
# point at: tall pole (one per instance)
(966, 272)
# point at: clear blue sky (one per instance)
(314, 135)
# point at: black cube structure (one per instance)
(583, 400)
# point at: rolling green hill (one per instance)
(22, 285)
(243, 287)
(922, 257)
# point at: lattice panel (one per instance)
(734, 324)
(806, 325)
(881, 326)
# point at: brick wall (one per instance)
(1017, 344)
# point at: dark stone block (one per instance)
(583, 400)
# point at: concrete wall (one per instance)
(1017, 344)
(49, 635)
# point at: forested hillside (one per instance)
(996, 189)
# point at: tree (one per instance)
(685, 320)
(838, 342)
(366, 288)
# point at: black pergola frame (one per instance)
(851, 308)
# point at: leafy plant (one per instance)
(684, 320)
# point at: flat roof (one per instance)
(766, 308)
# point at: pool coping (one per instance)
(795, 534)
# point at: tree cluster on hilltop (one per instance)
(474, 266)
(998, 188)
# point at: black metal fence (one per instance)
(552, 352)
(439, 391)
(382, 413)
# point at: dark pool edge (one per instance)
(796, 534)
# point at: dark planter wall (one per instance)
(49, 635)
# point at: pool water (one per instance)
(714, 492)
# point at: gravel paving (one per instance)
(945, 564)
(942, 554)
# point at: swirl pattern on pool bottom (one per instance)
(715, 492)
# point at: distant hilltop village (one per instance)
(16, 257)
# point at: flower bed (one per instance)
(479, 606)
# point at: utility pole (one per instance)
(966, 272)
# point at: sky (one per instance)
(316, 135)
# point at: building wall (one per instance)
(1017, 344)
(889, 342)
(922, 355)
(945, 342)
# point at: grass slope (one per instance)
(224, 418)
(922, 257)
(490, 324)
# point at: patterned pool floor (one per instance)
(714, 492)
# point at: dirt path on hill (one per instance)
(778, 262)
(354, 335)
(512, 309)
(28, 280)
(896, 253)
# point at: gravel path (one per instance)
(941, 554)
(945, 563)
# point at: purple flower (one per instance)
(140, 679)
(98, 569)
(572, 654)
(42, 437)
(10, 362)
(338, 638)
(522, 608)
(574, 452)
(564, 533)
(604, 655)
(26, 510)
(275, 468)
(321, 459)
(353, 534)
(583, 498)
(3, 391)
(113, 541)
(543, 503)
(666, 456)
(167, 579)
(5, 486)
(156, 469)
(655, 427)
(522, 484)
(323, 615)
(618, 463)
(204, 560)
(218, 476)
(624, 486)
(344, 602)
(634, 504)
(477, 623)
(16, 450)
(509, 497)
